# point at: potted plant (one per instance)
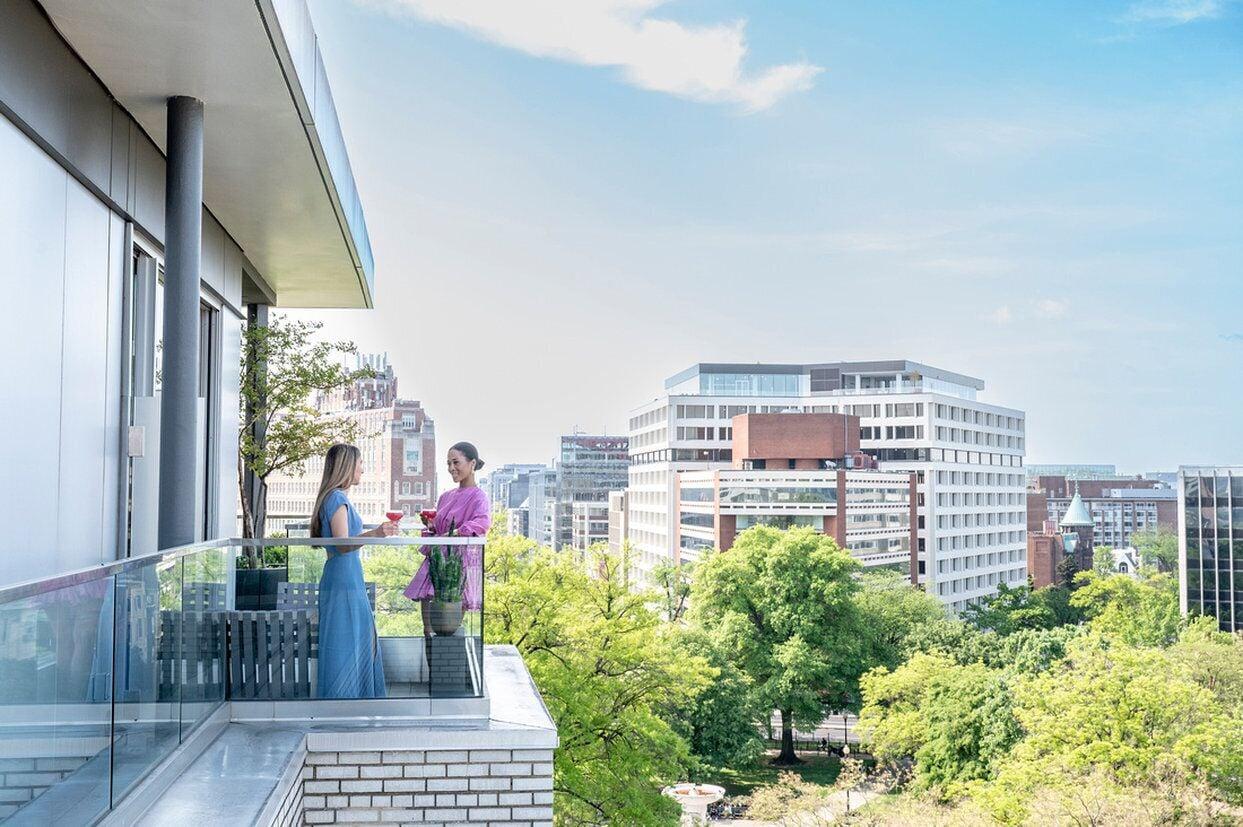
(444, 569)
(257, 585)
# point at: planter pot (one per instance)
(445, 618)
(256, 588)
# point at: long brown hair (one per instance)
(339, 465)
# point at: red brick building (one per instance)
(795, 469)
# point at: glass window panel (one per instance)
(147, 700)
(202, 665)
(56, 694)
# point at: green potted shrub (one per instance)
(444, 569)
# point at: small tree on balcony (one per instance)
(283, 367)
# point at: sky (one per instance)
(571, 200)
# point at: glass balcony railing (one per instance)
(105, 671)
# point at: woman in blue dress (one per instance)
(349, 649)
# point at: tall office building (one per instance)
(967, 456)
(398, 444)
(1210, 543)
(541, 506)
(789, 470)
(508, 485)
(588, 468)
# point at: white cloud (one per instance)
(1172, 12)
(702, 63)
(1050, 308)
(997, 138)
(1001, 315)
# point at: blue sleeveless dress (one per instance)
(349, 650)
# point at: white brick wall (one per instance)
(478, 786)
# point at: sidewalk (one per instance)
(827, 814)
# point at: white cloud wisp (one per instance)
(701, 63)
(1172, 12)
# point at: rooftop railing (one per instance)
(105, 671)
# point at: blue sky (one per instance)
(571, 200)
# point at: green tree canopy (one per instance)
(894, 615)
(1158, 548)
(606, 665)
(282, 366)
(1103, 560)
(782, 605)
(1139, 611)
(955, 720)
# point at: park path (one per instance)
(828, 814)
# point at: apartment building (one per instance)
(967, 456)
(1119, 507)
(398, 444)
(1210, 543)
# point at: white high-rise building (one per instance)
(967, 455)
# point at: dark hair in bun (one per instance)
(470, 452)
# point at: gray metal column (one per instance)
(256, 316)
(183, 238)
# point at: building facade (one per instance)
(967, 456)
(790, 470)
(541, 506)
(150, 208)
(590, 525)
(1119, 507)
(588, 468)
(1074, 472)
(398, 445)
(1210, 543)
(618, 521)
(509, 485)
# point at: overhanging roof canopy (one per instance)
(275, 170)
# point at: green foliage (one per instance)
(392, 568)
(892, 721)
(606, 665)
(1103, 561)
(788, 795)
(955, 720)
(1067, 570)
(721, 724)
(1214, 660)
(673, 583)
(894, 615)
(971, 727)
(1132, 714)
(1158, 549)
(781, 603)
(1137, 611)
(282, 367)
(444, 569)
(1015, 608)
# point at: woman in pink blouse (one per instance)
(468, 513)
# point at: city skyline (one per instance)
(1044, 199)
